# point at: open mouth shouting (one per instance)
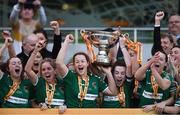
(36, 64)
(80, 70)
(157, 65)
(17, 71)
(119, 82)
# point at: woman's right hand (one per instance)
(7, 36)
(69, 38)
(159, 15)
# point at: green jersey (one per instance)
(148, 97)
(20, 98)
(177, 97)
(58, 97)
(113, 101)
(72, 95)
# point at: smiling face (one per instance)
(174, 24)
(15, 67)
(119, 75)
(175, 53)
(81, 64)
(48, 72)
(166, 45)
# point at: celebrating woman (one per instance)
(122, 74)
(49, 91)
(82, 88)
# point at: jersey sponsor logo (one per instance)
(111, 98)
(89, 96)
(94, 85)
(17, 100)
(150, 95)
(56, 102)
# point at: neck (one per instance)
(84, 77)
(16, 79)
(52, 81)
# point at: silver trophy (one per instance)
(103, 40)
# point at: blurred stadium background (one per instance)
(135, 17)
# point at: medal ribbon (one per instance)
(136, 83)
(89, 47)
(81, 92)
(121, 96)
(154, 85)
(12, 90)
(50, 92)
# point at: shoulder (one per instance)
(95, 77)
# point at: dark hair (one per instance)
(176, 46)
(81, 53)
(7, 67)
(118, 63)
(43, 32)
(87, 59)
(51, 62)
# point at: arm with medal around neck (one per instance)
(141, 72)
(112, 90)
(61, 66)
(28, 68)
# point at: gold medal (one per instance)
(82, 93)
(154, 86)
(121, 96)
(50, 93)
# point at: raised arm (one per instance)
(9, 43)
(28, 68)
(57, 38)
(157, 37)
(134, 63)
(41, 11)
(112, 90)
(162, 82)
(61, 66)
(14, 16)
(126, 56)
(140, 73)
